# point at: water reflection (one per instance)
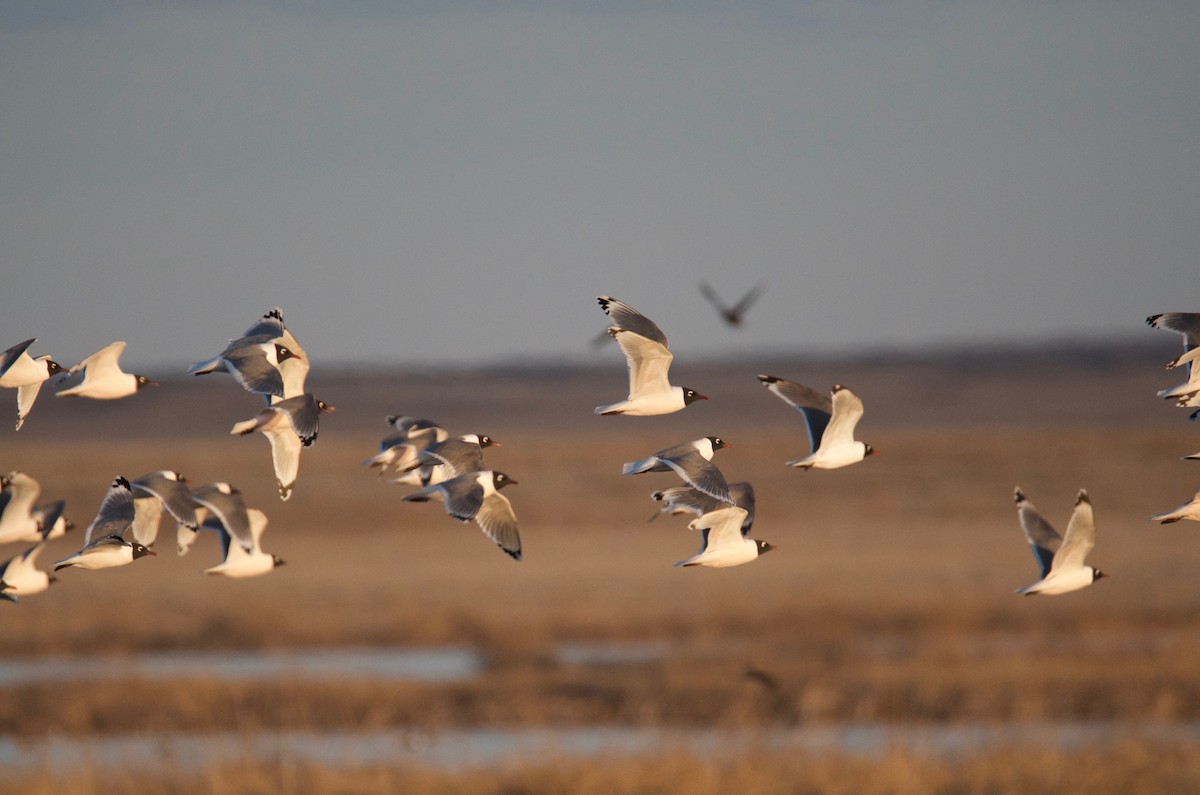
(432, 665)
(440, 664)
(458, 749)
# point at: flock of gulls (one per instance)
(268, 361)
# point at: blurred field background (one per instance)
(889, 601)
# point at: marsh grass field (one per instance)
(889, 603)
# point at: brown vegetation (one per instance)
(890, 598)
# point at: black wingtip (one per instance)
(1082, 496)
(1018, 495)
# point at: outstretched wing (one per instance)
(816, 407)
(1080, 536)
(1043, 539)
(498, 522)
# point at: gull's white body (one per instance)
(104, 553)
(103, 378)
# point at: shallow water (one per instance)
(458, 749)
(399, 662)
(440, 664)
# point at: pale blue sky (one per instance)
(414, 182)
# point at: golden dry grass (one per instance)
(890, 598)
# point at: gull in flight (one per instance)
(830, 421)
(648, 359)
(1060, 558)
(20, 371)
(103, 378)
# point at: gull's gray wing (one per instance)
(115, 515)
(626, 318)
(172, 491)
(463, 496)
(692, 499)
(460, 456)
(1185, 323)
(227, 505)
(816, 407)
(254, 371)
(743, 497)
(686, 498)
(700, 473)
(270, 325)
(304, 412)
(1043, 539)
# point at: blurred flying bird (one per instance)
(1187, 325)
(400, 449)
(1189, 510)
(225, 503)
(18, 493)
(21, 574)
(157, 490)
(688, 499)
(733, 315)
(451, 458)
